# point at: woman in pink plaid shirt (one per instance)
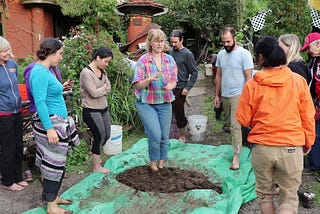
(154, 78)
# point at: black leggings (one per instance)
(51, 189)
(99, 124)
(11, 149)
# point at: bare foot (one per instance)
(53, 208)
(153, 166)
(13, 187)
(235, 162)
(23, 183)
(160, 164)
(182, 138)
(66, 175)
(101, 169)
(63, 201)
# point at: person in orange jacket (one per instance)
(277, 106)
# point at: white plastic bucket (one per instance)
(197, 127)
(209, 69)
(114, 143)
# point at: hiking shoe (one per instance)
(308, 171)
(306, 199)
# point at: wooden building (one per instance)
(25, 23)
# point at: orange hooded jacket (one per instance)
(277, 105)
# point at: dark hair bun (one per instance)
(42, 53)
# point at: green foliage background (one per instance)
(97, 15)
(288, 17)
(77, 55)
(201, 15)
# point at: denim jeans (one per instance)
(314, 155)
(156, 119)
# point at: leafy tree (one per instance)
(101, 26)
(246, 33)
(97, 15)
(208, 17)
(78, 47)
(288, 17)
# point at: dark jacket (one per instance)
(301, 68)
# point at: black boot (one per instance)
(306, 199)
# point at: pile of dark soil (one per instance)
(167, 180)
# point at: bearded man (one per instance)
(234, 67)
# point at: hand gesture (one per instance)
(154, 77)
(170, 86)
(52, 136)
(217, 101)
(107, 88)
(67, 85)
(306, 151)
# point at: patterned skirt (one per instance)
(51, 158)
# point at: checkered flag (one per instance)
(258, 21)
(315, 18)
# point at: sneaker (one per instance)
(308, 171)
(306, 199)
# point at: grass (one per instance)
(209, 112)
(131, 138)
(315, 188)
(217, 125)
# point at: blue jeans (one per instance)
(156, 119)
(314, 155)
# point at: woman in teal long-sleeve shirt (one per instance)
(52, 126)
(47, 95)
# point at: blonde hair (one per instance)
(4, 44)
(156, 34)
(293, 43)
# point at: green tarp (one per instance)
(104, 194)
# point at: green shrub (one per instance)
(78, 48)
(79, 155)
(22, 64)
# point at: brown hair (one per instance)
(156, 34)
(230, 29)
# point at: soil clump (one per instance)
(166, 180)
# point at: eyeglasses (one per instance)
(158, 41)
(314, 42)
